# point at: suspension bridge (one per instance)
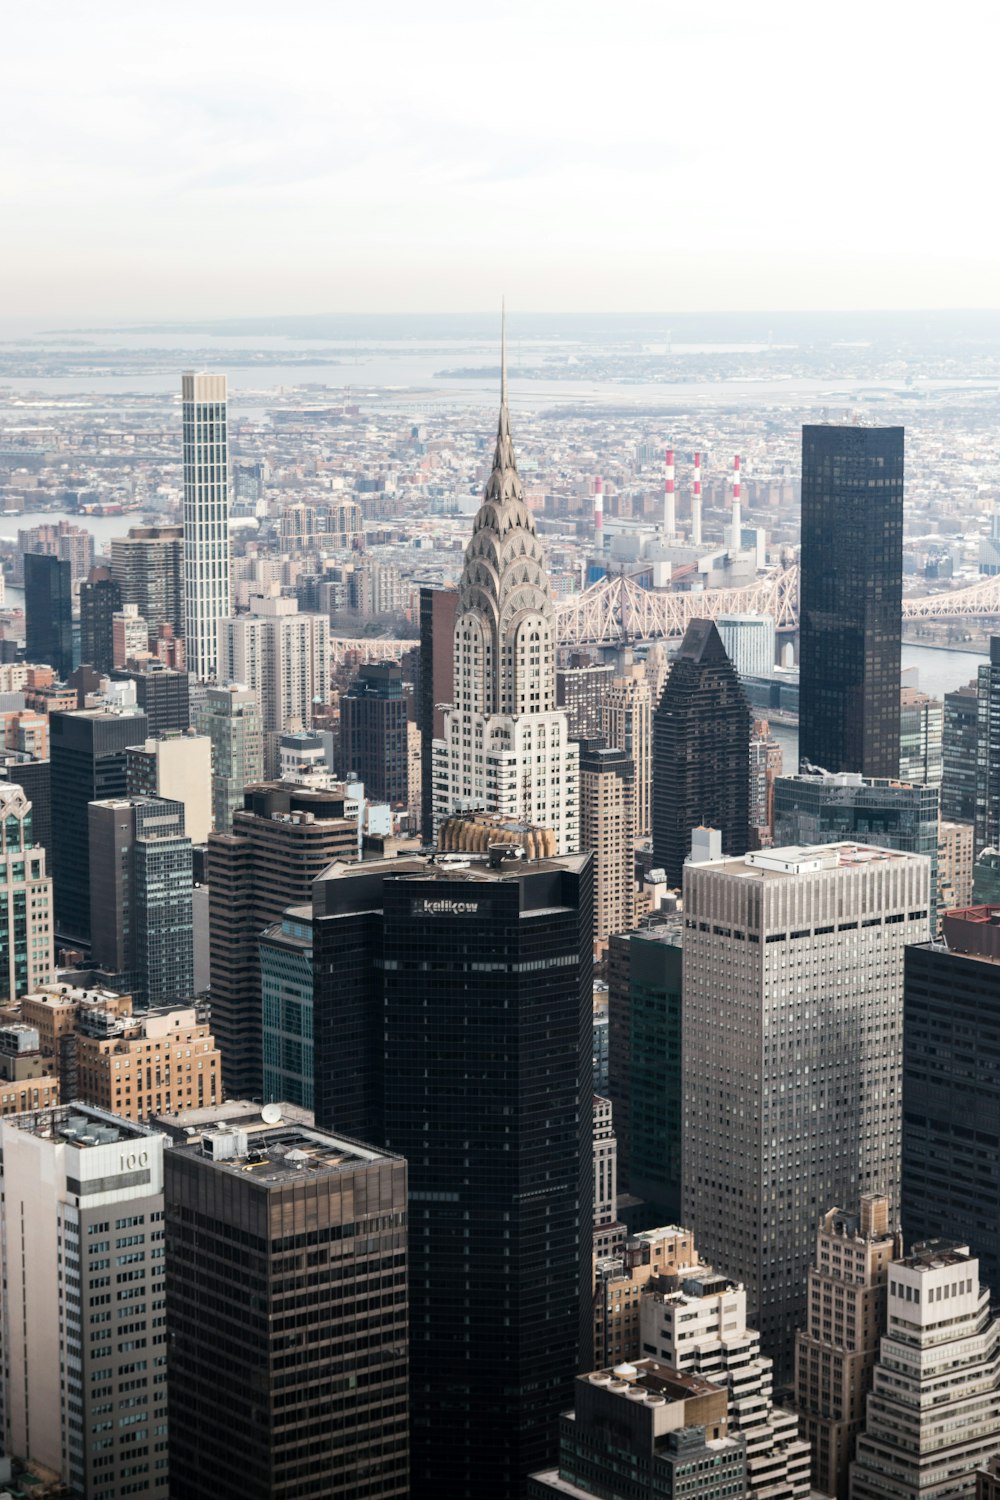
(616, 609)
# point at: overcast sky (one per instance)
(189, 159)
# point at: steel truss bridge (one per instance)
(617, 609)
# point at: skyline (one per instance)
(727, 160)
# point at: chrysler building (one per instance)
(506, 746)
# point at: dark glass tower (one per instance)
(286, 1304)
(100, 599)
(474, 1001)
(960, 741)
(987, 760)
(438, 608)
(373, 741)
(87, 747)
(851, 598)
(701, 752)
(951, 1087)
(48, 612)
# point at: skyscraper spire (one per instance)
(504, 721)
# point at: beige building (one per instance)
(178, 766)
(607, 1230)
(26, 919)
(81, 1200)
(607, 812)
(284, 657)
(628, 725)
(955, 861)
(792, 954)
(621, 1280)
(155, 1063)
(26, 1078)
(54, 1011)
(835, 1353)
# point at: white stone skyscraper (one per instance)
(506, 746)
(206, 519)
(792, 1038)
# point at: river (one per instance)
(939, 672)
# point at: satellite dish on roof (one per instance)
(271, 1114)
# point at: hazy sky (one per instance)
(188, 159)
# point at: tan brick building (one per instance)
(156, 1063)
(836, 1352)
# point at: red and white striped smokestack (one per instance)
(599, 509)
(696, 503)
(737, 533)
(669, 501)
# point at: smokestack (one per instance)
(669, 502)
(599, 511)
(737, 533)
(696, 503)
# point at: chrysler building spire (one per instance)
(506, 745)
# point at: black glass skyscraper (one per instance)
(463, 998)
(850, 598)
(951, 1087)
(87, 747)
(48, 612)
(701, 752)
(100, 599)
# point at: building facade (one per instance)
(230, 717)
(282, 839)
(960, 740)
(830, 807)
(156, 1063)
(951, 1140)
(48, 612)
(148, 567)
(921, 738)
(750, 643)
(851, 589)
(627, 723)
(835, 1353)
(373, 733)
(806, 947)
(87, 749)
(206, 519)
(81, 1220)
(467, 1049)
(178, 767)
(642, 1432)
(701, 752)
(697, 1324)
(286, 987)
(141, 892)
(988, 752)
(607, 812)
(505, 746)
(438, 608)
(100, 600)
(283, 657)
(269, 1402)
(581, 691)
(27, 919)
(933, 1413)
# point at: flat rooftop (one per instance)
(656, 1379)
(801, 859)
(935, 1255)
(270, 1150)
(80, 1125)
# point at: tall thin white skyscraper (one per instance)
(206, 519)
(506, 746)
